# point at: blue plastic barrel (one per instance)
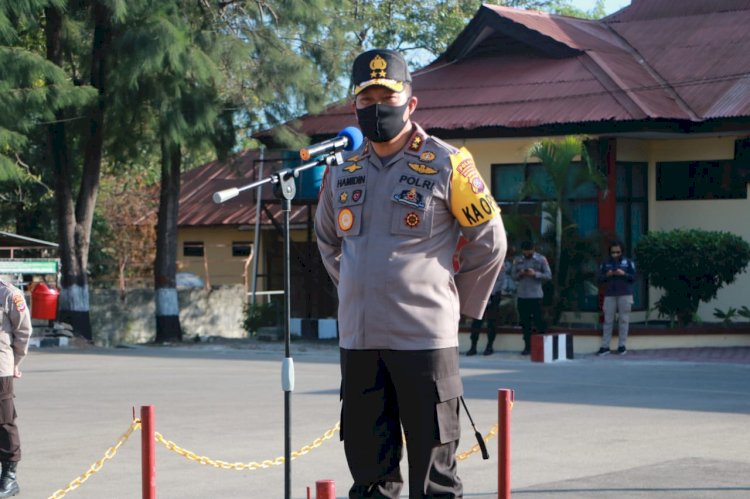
(309, 181)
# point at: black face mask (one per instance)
(380, 122)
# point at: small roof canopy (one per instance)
(9, 240)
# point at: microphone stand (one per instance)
(285, 190)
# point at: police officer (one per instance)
(530, 270)
(15, 329)
(387, 225)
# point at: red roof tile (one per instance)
(683, 60)
(198, 186)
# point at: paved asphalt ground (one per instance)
(663, 424)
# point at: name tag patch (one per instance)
(350, 181)
(416, 182)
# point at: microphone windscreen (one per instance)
(354, 137)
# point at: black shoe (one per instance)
(603, 351)
(8, 484)
(472, 351)
(622, 351)
(525, 351)
(488, 351)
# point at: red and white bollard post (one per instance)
(505, 399)
(148, 452)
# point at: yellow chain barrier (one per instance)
(109, 454)
(490, 435)
(216, 463)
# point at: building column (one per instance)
(607, 149)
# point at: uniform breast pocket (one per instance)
(412, 212)
(349, 204)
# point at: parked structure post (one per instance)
(505, 399)
(148, 452)
(325, 489)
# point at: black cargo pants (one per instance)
(10, 443)
(383, 390)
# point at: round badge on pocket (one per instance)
(345, 219)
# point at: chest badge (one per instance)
(346, 219)
(357, 195)
(412, 219)
(352, 168)
(410, 197)
(343, 197)
(427, 156)
(423, 169)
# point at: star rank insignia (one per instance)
(352, 168)
(412, 219)
(416, 143)
(343, 197)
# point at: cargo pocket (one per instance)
(446, 408)
(412, 212)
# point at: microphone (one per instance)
(348, 139)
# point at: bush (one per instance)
(690, 266)
(260, 315)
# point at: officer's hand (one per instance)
(16, 372)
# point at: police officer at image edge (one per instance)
(387, 224)
(15, 330)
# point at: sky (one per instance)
(609, 5)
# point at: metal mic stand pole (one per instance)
(285, 189)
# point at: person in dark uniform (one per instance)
(387, 225)
(15, 330)
(530, 270)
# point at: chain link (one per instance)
(490, 435)
(253, 465)
(97, 466)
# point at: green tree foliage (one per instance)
(31, 90)
(690, 266)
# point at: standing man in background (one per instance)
(530, 270)
(387, 224)
(617, 274)
(15, 330)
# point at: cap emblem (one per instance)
(378, 66)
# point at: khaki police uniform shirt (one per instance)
(15, 328)
(387, 235)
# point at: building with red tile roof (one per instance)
(660, 88)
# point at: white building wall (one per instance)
(722, 215)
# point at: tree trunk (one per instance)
(74, 224)
(165, 267)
